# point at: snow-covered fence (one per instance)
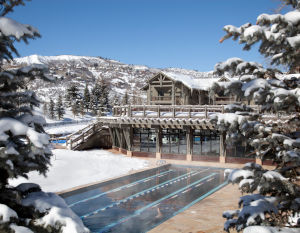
(67, 122)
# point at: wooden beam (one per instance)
(128, 135)
(189, 143)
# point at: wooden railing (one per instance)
(161, 98)
(169, 111)
(80, 136)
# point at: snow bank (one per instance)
(74, 168)
(238, 174)
(57, 211)
(263, 229)
(6, 213)
(66, 129)
(20, 229)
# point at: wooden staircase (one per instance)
(87, 137)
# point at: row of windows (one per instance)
(204, 143)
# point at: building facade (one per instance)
(167, 88)
(175, 123)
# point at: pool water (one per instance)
(141, 201)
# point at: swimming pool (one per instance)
(141, 201)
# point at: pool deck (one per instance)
(204, 216)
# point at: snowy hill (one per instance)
(82, 69)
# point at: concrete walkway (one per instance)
(204, 216)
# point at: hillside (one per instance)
(81, 69)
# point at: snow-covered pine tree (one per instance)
(86, 97)
(94, 99)
(60, 111)
(81, 108)
(103, 100)
(75, 108)
(45, 109)
(52, 109)
(276, 202)
(116, 100)
(72, 95)
(23, 142)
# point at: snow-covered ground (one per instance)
(73, 168)
(66, 129)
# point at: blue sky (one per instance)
(156, 33)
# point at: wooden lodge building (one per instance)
(175, 123)
(167, 88)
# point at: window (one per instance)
(206, 142)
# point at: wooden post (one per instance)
(158, 111)
(144, 111)
(222, 108)
(119, 136)
(189, 144)
(173, 109)
(222, 147)
(173, 93)
(127, 131)
(112, 136)
(189, 111)
(205, 111)
(158, 132)
(129, 113)
(149, 95)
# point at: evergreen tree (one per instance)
(86, 98)
(45, 109)
(24, 146)
(72, 95)
(75, 109)
(95, 97)
(60, 111)
(116, 101)
(81, 108)
(99, 97)
(125, 100)
(103, 100)
(276, 202)
(52, 109)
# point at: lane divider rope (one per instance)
(119, 188)
(146, 190)
(139, 211)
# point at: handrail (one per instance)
(167, 111)
(82, 135)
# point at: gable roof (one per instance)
(187, 80)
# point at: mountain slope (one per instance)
(82, 69)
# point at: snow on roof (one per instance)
(190, 81)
